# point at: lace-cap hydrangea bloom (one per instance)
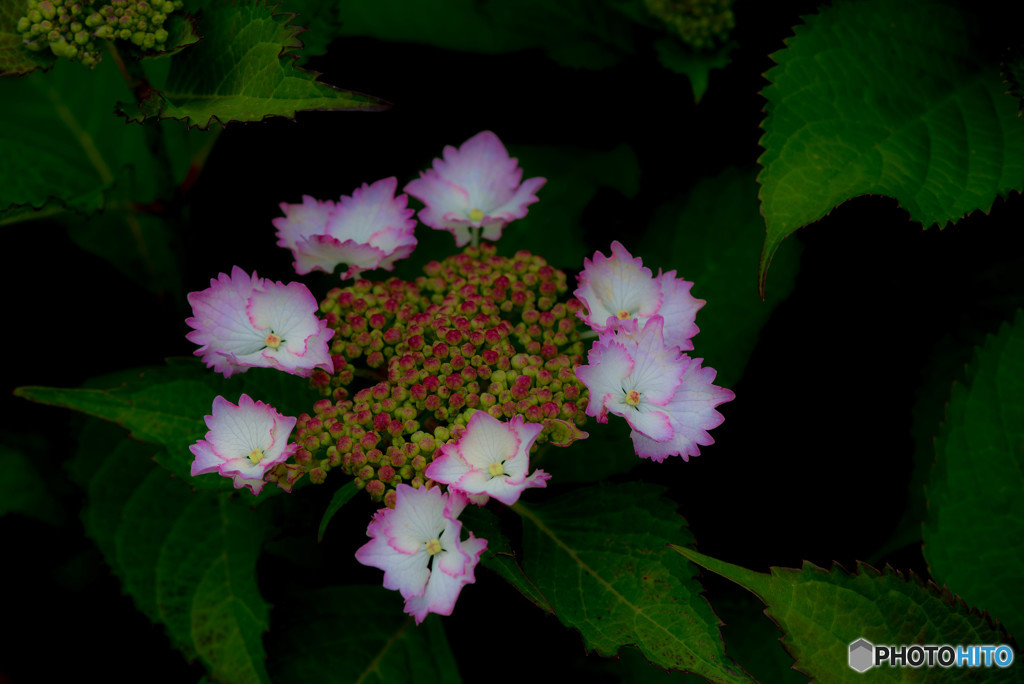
(634, 375)
(691, 412)
(417, 544)
(491, 458)
(474, 186)
(244, 442)
(371, 229)
(244, 321)
(620, 286)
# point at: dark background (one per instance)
(813, 461)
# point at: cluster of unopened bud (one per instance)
(477, 332)
(71, 28)
(700, 23)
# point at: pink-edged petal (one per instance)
(609, 365)
(301, 220)
(443, 590)
(679, 309)
(692, 413)
(515, 206)
(657, 367)
(370, 210)
(244, 441)
(406, 573)
(441, 197)
(417, 518)
(205, 461)
(483, 167)
(370, 229)
(487, 440)
(449, 467)
(508, 491)
(289, 311)
(619, 286)
(477, 185)
(221, 325)
(395, 244)
(650, 422)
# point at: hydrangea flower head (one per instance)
(633, 374)
(371, 229)
(477, 185)
(243, 321)
(417, 544)
(621, 287)
(491, 458)
(244, 442)
(691, 412)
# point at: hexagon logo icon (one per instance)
(862, 655)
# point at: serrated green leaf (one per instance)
(357, 634)
(716, 235)
(167, 406)
(886, 98)
(600, 556)
(499, 555)
(974, 529)
(15, 58)
(23, 490)
(242, 71)
(341, 497)
(181, 33)
(822, 612)
(61, 143)
(187, 559)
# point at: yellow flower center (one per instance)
(632, 397)
(495, 469)
(256, 455)
(623, 314)
(273, 341)
(476, 215)
(434, 546)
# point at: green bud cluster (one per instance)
(477, 332)
(71, 28)
(700, 23)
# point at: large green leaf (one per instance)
(500, 556)
(891, 98)
(600, 556)
(187, 559)
(61, 142)
(242, 70)
(822, 612)
(974, 530)
(357, 634)
(15, 58)
(167, 406)
(712, 238)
